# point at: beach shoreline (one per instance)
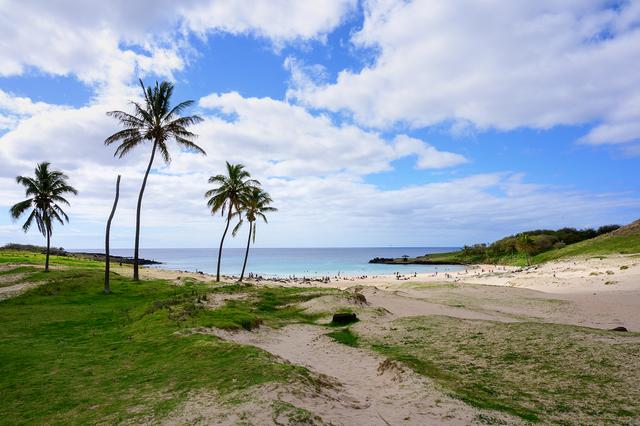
(598, 292)
(580, 274)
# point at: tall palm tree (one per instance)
(45, 192)
(154, 120)
(254, 204)
(227, 197)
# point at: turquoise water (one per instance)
(284, 262)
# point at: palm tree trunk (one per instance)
(222, 242)
(246, 253)
(136, 276)
(46, 262)
(107, 288)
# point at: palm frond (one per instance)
(177, 110)
(190, 145)
(18, 209)
(236, 228)
(162, 147)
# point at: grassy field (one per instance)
(70, 352)
(548, 373)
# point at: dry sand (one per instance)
(366, 388)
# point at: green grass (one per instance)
(345, 336)
(26, 257)
(603, 245)
(18, 270)
(69, 353)
(539, 372)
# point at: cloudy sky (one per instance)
(371, 123)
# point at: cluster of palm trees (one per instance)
(236, 195)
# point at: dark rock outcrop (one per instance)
(344, 319)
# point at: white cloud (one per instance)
(278, 20)
(13, 108)
(314, 169)
(428, 156)
(295, 143)
(110, 42)
(493, 64)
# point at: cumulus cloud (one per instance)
(298, 143)
(13, 108)
(109, 42)
(494, 65)
(278, 20)
(316, 171)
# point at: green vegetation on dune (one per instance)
(274, 307)
(71, 352)
(546, 373)
(345, 336)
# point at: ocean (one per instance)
(284, 262)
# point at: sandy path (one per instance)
(369, 393)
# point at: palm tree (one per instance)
(156, 121)
(255, 203)
(227, 197)
(526, 245)
(45, 192)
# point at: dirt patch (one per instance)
(17, 289)
(370, 390)
(216, 300)
(11, 279)
(277, 404)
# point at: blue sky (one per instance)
(372, 123)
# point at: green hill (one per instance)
(625, 240)
(549, 245)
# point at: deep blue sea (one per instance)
(283, 262)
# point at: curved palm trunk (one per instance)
(46, 262)
(136, 276)
(107, 288)
(246, 253)
(222, 242)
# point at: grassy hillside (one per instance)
(624, 240)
